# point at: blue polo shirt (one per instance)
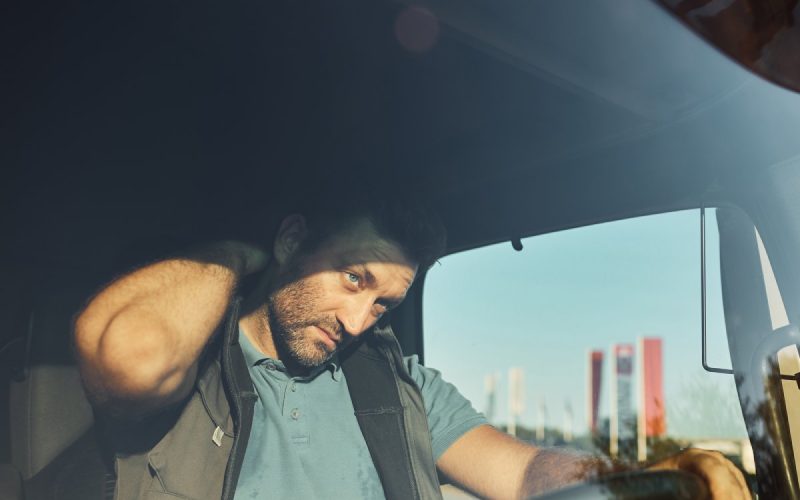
(306, 442)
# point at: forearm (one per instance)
(553, 468)
(492, 464)
(140, 338)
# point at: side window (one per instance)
(590, 338)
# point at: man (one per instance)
(302, 394)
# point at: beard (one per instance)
(291, 315)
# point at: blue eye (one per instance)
(352, 278)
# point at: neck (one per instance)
(255, 322)
(256, 326)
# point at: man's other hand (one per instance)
(724, 480)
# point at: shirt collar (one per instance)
(335, 368)
(251, 354)
(254, 357)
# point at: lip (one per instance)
(327, 337)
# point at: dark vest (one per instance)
(196, 451)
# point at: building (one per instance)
(622, 418)
(595, 374)
(652, 412)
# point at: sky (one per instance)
(544, 308)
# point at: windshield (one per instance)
(590, 338)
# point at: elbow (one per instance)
(123, 361)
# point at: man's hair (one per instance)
(404, 220)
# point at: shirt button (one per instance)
(295, 414)
(270, 367)
(293, 386)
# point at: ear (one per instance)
(292, 232)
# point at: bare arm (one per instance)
(493, 464)
(138, 341)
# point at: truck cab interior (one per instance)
(132, 131)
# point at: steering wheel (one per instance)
(636, 485)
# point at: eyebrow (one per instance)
(368, 276)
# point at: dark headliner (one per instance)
(163, 124)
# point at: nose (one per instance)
(356, 316)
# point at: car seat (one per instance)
(54, 452)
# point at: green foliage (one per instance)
(660, 448)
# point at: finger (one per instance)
(740, 479)
(723, 478)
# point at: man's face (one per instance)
(335, 293)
